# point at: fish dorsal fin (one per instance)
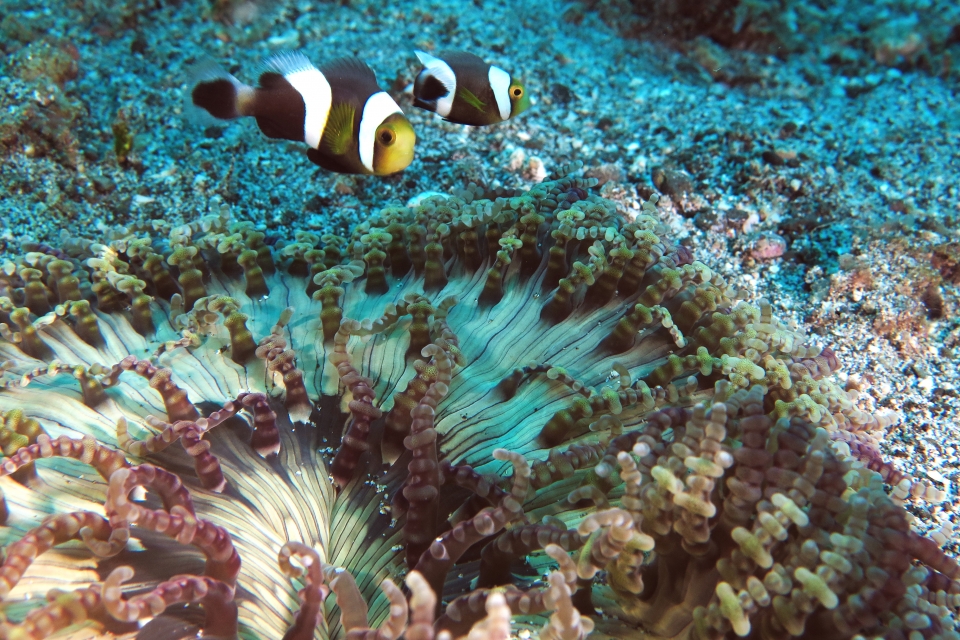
(338, 133)
(471, 99)
(287, 63)
(426, 59)
(348, 67)
(463, 58)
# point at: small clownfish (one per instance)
(350, 124)
(464, 89)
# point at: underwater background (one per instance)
(806, 151)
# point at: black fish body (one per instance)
(348, 122)
(465, 89)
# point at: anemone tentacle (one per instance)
(465, 395)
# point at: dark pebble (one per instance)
(139, 44)
(736, 218)
(704, 219)
(317, 203)
(672, 182)
(932, 299)
(946, 260)
(561, 93)
(101, 183)
(788, 129)
(772, 158)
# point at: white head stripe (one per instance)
(444, 73)
(500, 83)
(317, 99)
(379, 106)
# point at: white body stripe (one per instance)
(500, 83)
(313, 88)
(377, 108)
(317, 99)
(444, 73)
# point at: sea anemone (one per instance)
(535, 411)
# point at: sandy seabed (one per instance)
(829, 190)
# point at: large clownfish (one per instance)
(348, 122)
(464, 89)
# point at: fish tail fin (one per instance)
(214, 94)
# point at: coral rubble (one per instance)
(464, 395)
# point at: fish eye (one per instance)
(516, 92)
(387, 137)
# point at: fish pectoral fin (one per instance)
(338, 132)
(471, 99)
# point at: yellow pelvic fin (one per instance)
(339, 130)
(471, 99)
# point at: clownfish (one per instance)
(464, 89)
(348, 122)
